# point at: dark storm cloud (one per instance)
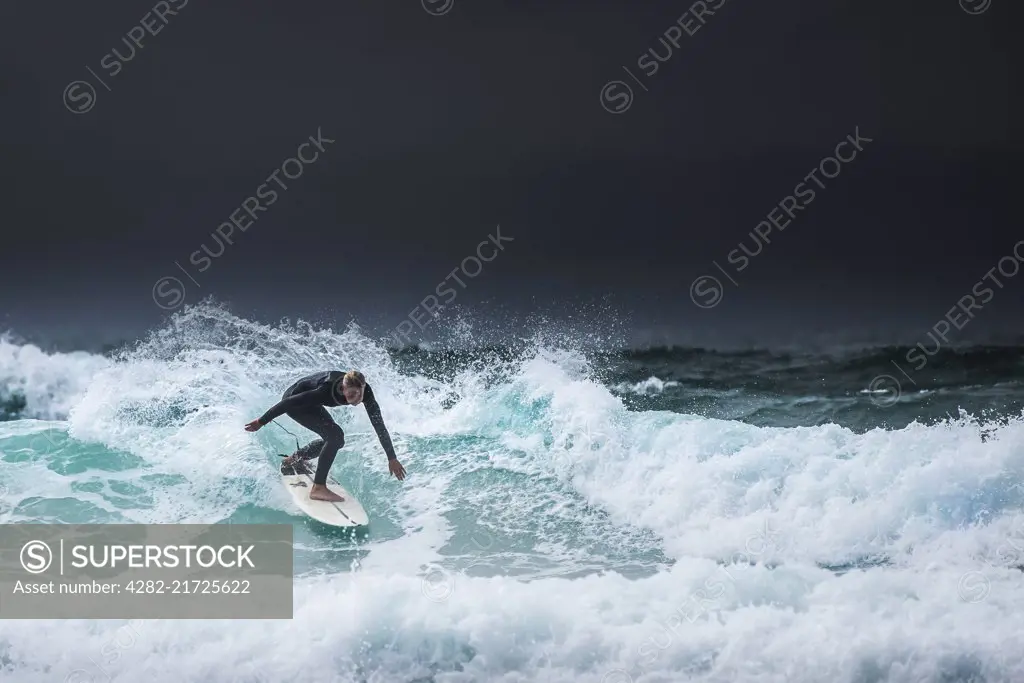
(135, 131)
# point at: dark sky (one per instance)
(449, 120)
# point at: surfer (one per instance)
(304, 402)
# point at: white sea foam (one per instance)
(651, 385)
(806, 554)
(51, 383)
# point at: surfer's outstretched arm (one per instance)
(377, 420)
(302, 400)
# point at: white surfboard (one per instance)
(298, 479)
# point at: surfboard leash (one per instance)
(297, 446)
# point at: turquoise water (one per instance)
(546, 532)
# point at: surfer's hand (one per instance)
(253, 426)
(396, 469)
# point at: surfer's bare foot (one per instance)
(321, 492)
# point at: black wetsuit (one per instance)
(304, 402)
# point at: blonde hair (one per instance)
(355, 379)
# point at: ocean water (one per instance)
(570, 515)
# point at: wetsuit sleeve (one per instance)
(377, 420)
(301, 400)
